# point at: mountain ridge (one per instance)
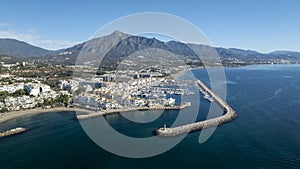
(125, 44)
(17, 48)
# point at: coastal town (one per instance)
(25, 93)
(149, 84)
(144, 88)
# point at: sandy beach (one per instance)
(15, 114)
(182, 72)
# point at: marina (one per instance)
(229, 115)
(253, 136)
(142, 108)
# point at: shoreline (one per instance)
(182, 72)
(35, 111)
(29, 112)
(87, 112)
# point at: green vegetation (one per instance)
(48, 102)
(19, 92)
(4, 110)
(51, 83)
(61, 100)
(7, 80)
(5, 94)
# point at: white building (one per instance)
(11, 88)
(36, 88)
(32, 89)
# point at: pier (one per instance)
(12, 132)
(142, 108)
(230, 114)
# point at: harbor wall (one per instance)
(111, 111)
(227, 117)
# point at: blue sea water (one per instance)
(265, 134)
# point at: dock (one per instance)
(12, 132)
(230, 114)
(130, 109)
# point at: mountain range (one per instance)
(125, 44)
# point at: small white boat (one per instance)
(211, 99)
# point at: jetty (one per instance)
(130, 109)
(229, 115)
(12, 132)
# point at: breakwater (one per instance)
(230, 114)
(12, 132)
(111, 111)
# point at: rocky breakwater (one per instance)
(229, 115)
(12, 132)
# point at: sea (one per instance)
(264, 135)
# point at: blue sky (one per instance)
(263, 25)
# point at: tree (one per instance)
(3, 110)
(62, 99)
(47, 103)
(3, 95)
(40, 105)
(65, 100)
(19, 92)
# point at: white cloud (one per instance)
(56, 44)
(4, 25)
(31, 36)
(20, 36)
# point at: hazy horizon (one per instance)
(160, 38)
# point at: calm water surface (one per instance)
(265, 134)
